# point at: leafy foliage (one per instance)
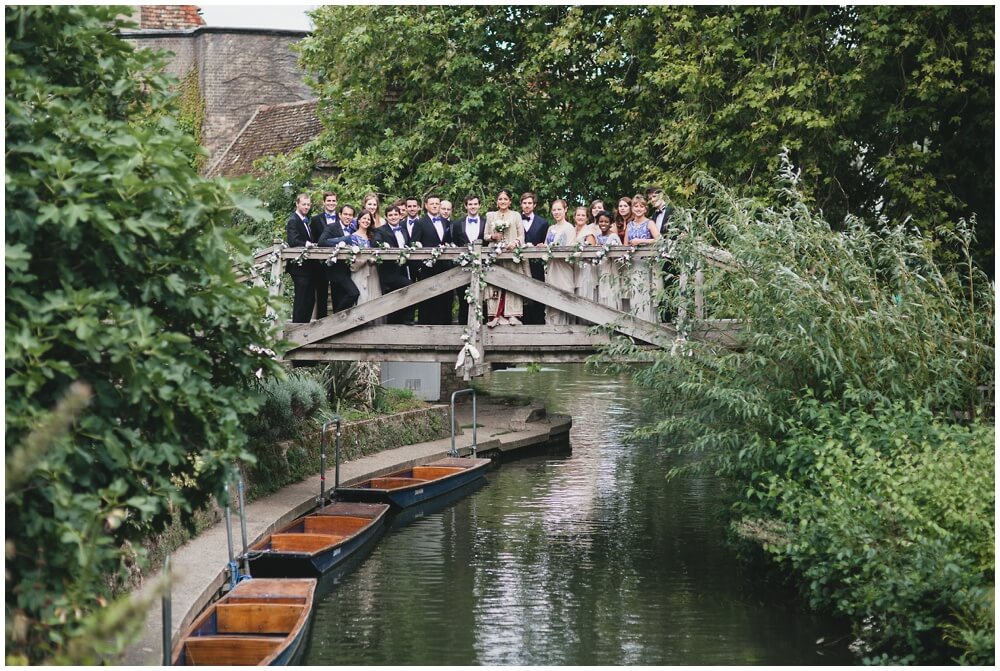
(857, 317)
(890, 521)
(119, 274)
(836, 416)
(350, 384)
(888, 110)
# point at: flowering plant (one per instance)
(501, 227)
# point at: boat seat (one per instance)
(257, 618)
(331, 524)
(394, 483)
(433, 472)
(230, 650)
(302, 542)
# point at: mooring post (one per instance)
(336, 451)
(454, 450)
(322, 464)
(166, 616)
(243, 530)
(234, 569)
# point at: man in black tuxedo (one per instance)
(433, 230)
(391, 275)
(343, 290)
(321, 220)
(662, 213)
(535, 230)
(467, 229)
(300, 232)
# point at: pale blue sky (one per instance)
(232, 15)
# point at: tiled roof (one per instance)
(169, 17)
(272, 130)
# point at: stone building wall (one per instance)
(239, 69)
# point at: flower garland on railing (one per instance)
(436, 254)
(602, 253)
(301, 258)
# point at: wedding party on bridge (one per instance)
(500, 335)
(432, 222)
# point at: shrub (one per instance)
(118, 274)
(889, 517)
(290, 409)
(851, 317)
(349, 384)
(837, 415)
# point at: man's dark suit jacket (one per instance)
(666, 218)
(539, 229)
(391, 275)
(295, 236)
(425, 233)
(536, 236)
(331, 234)
(458, 235)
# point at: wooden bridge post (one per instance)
(699, 292)
(277, 272)
(475, 321)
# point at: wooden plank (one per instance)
(304, 334)
(524, 285)
(334, 524)
(229, 650)
(434, 472)
(302, 542)
(393, 482)
(257, 618)
(395, 335)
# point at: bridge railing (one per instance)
(603, 274)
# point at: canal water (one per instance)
(582, 557)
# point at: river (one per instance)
(578, 557)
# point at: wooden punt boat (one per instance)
(260, 622)
(415, 485)
(314, 544)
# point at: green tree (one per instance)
(474, 98)
(119, 273)
(887, 110)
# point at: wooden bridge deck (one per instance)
(356, 334)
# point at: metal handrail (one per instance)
(322, 458)
(454, 450)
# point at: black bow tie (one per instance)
(526, 217)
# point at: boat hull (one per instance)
(260, 622)
(402, 490)
(265, 561)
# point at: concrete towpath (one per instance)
(199, 567)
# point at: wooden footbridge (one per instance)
(615, 294)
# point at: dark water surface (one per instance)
(588, 557)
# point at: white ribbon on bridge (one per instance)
(467, 349)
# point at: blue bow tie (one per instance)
(331, 216)
(473, 220)
(396, 229)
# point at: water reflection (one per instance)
(587, 558)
